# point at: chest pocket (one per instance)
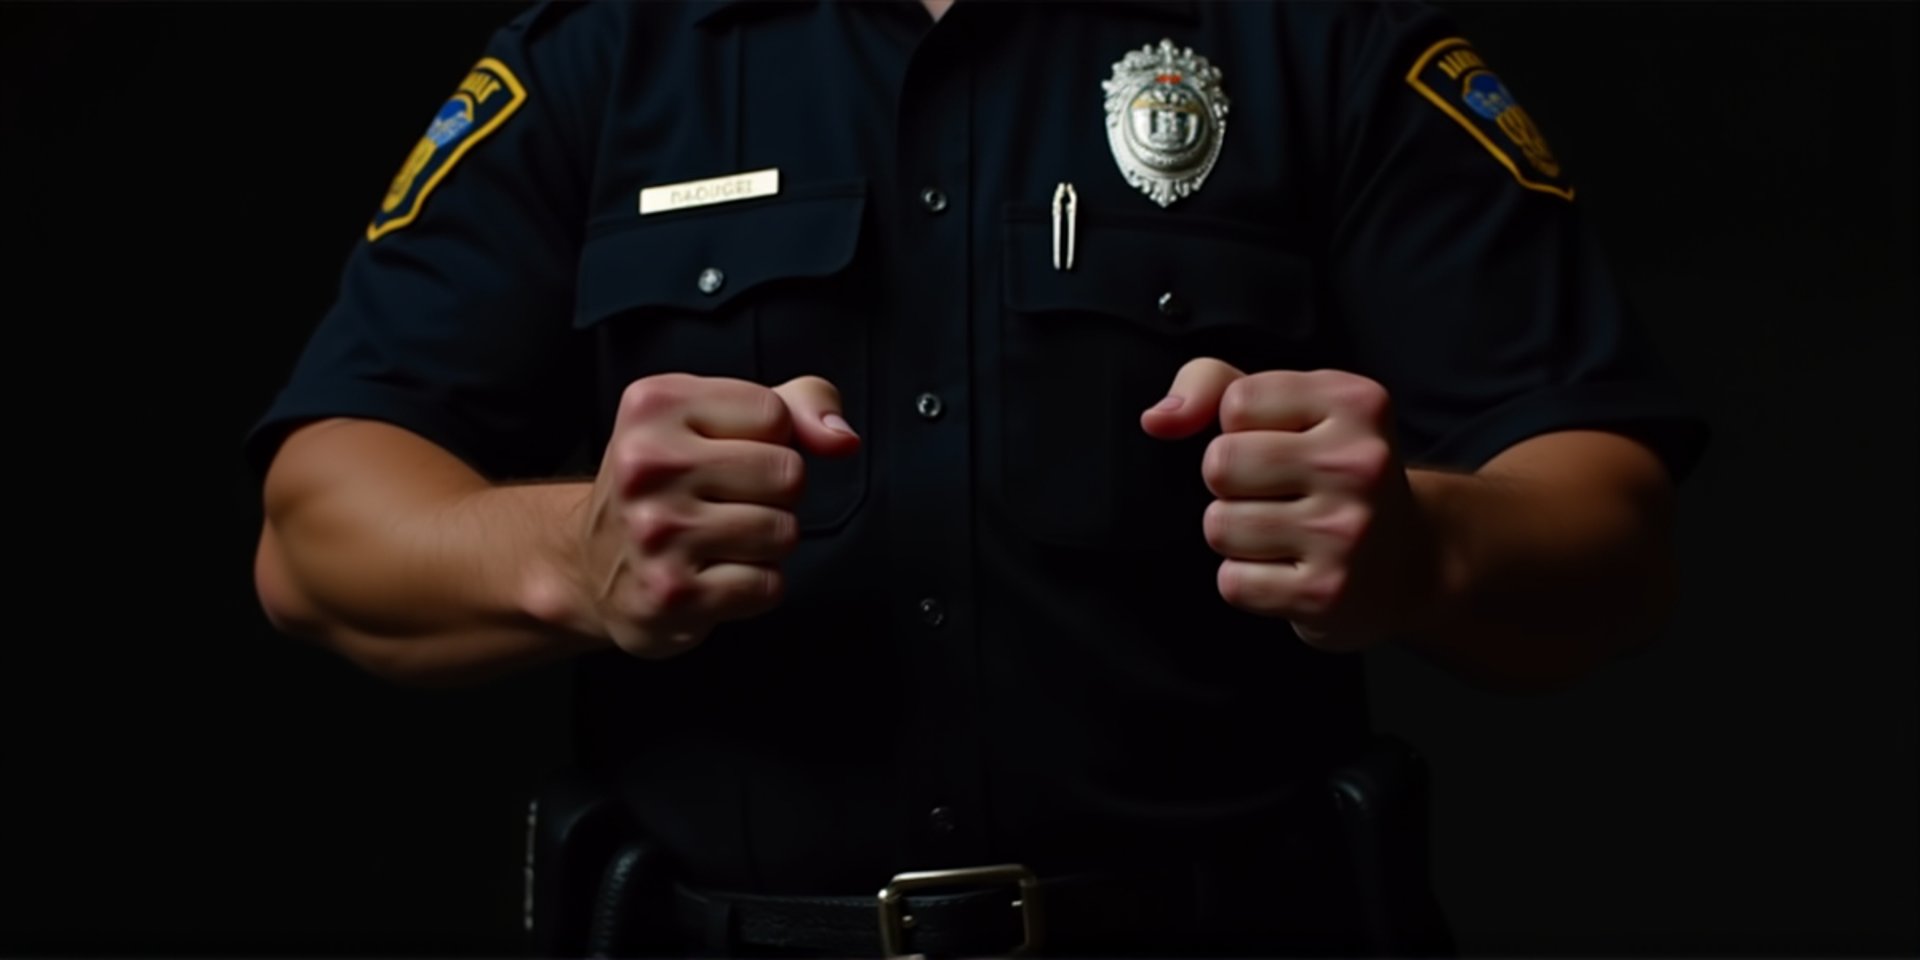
(1086, 350)
(762, 291)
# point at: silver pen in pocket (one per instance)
(1066, 212)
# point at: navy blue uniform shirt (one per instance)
(1002, 639)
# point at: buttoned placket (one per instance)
(929, 400)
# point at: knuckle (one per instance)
(654, 526)
(783, 531)
(1234, 588)
(648, 464)
(1362, 461)
(673, 590)
(631, 604)
(1216, 523)
(820, 385)
(787, 472)
(1372, 454)
(1357, 394)
(662, 589)
(628, 457)
(1217, 462)
(1346, 524)
(1243, 399)
(772, 586)
(1282, 379)
(750, 595)
(1319, 595)
(1238, 399)
(770, 409)
(652, 396)
(1276, 382)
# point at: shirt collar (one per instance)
(724, 11)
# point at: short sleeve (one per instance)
(1464, 277)
(453, 317)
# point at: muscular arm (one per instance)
(394, 553)
(1554, 558)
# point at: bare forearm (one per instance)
(423, 571)
(1543, 574)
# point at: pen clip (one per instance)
(1066, 211)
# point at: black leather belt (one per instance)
(983, 911)
(1339, 872)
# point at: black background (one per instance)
(183, 181)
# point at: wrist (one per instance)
(554, 586)
(1439, 554)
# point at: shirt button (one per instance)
(932, 613)
(711, 280)
(1172, 307)
(941, 818)
(933, 199)
(929, 406)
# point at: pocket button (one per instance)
(1172, 307)
(932, 613)
(929, 407)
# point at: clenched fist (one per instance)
(1314, 515)
(691, 512)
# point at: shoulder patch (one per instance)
(485, 99)
(1453, 77)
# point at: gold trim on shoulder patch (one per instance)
(1166, 119)
(485, 99)
(1452, 75)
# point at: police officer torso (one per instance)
(999, 236)
(1002, 639)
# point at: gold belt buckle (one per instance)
(895, 921)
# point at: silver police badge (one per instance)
(1166, 117)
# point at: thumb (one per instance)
(1192, 402)
(814, 406)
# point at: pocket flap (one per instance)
(1169, 277)
(663, 261)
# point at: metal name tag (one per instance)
(700, 193)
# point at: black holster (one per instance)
(1384, 801)
(595, 887)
